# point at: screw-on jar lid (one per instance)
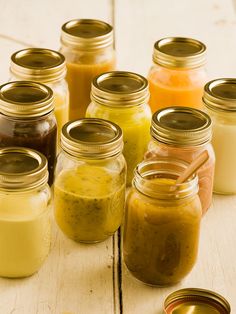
(119, 88)
(179, 52)
(220, 95)
(38, 64)
(25, 99)
(87, 34)
(181, 126)
(92, 138)
(196, 300)
(22, 169)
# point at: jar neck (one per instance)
(156, 179)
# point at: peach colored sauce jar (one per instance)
(183, 133)
(178, 75)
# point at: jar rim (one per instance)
(156, 179)
(22, 169)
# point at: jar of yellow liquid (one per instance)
(178, 75)
(25, 203)
(87, 45)
(48, 67)
(162, 223)
(89, 188)
(122, 97)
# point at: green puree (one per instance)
(89, 202)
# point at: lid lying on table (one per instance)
(38, 64)
(196, 301)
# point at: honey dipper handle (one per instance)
(193, 167)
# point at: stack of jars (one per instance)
(104, 124)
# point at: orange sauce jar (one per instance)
(88, 48)
(178, 76)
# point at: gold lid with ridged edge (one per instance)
(120, 88)
(181, 126)
(25, 99)
(87, 34)
(196, 301)
(220, 95)
(179, 52)
(22, 169)
(91, 138)
(38, 64)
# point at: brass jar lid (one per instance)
(196, 301)
(181, 126)
(220, 94)
(91, 138)
(25, 99)
(38, 64)
(22, 169)
(179, 52)
(87, 34)
(120, 88)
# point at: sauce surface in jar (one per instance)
(177, 77)
(161, 231)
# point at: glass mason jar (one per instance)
(162, 223)
(184, 133)
(220, 102)
(48, 67)
(178, 76)
(25, 224)
(88, 48)
(89, 188)
(122, 97)
(27, 119)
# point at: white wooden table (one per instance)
(91, 279)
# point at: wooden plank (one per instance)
(75, 279)
(138, 25)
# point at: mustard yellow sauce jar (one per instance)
(121, 97)
(162, 223)
(89, 188)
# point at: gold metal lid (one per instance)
(22, 169)
(179, 52)
(220, 94)
(181, 126)
(87, 34)
(92, 138)
(38, 64)
(120, 88)
(25, 99)
(196, 301)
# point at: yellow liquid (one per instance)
(161, 237)
(89, 203)
(25, 232)
(135, 127)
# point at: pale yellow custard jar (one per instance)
(89, 187)
(48, 67)
(122, 97)
(25, 203)
(162, 223)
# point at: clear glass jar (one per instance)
(220, 102)
(89, 188)
(25, 224)
(184, 133)
(48, 67)
(178, 75)
(27, 119)
(162, 223)
(87, 45)
(122, 97)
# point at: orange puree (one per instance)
(176, 87)
(79, 78)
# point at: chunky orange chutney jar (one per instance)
(87, 45)
(178, 75)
